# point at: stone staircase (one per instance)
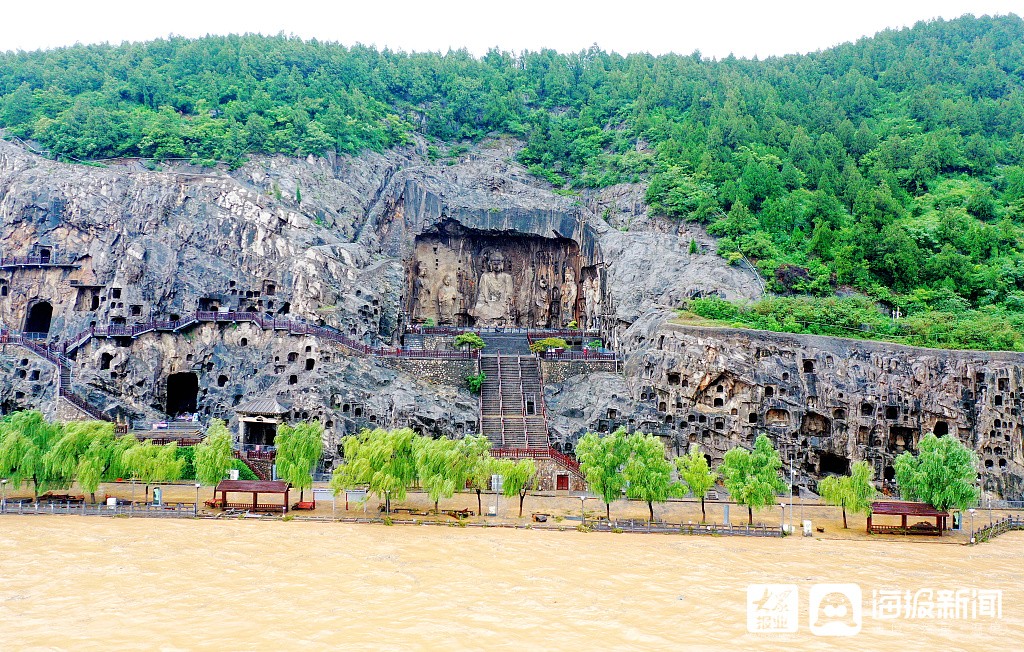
(512, 413)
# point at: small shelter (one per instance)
(254, 487)
(258, 420)
(903, 510)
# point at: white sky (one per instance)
(716, 28)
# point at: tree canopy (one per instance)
(601, 461)
(213, 456)
(384, 461)
(853, 492)
(943, 474)
(752, 477)
(696, 474)
(647, 473)
(299, 448)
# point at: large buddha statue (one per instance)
(494, 294)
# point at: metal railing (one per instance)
(664, 527)
(70, 508)
(1002, 526)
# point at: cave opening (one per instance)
(941, 428)
(463, 277)
(182, 393)
(832, 463)
(38, 319)
(259, 433)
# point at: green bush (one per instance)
(476, 381)
(548, 343)
(472, 340)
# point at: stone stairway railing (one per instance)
(59, 359)
(291, 326)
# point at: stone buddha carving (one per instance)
(447, 300)
(542, 303)
(569, 294)
(598, 301)
(494, 294)
(421, 287)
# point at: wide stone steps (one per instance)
(512, 402)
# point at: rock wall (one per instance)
(143, 244)
(825, 401)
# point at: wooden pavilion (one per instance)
(903, 510)
(254, 487)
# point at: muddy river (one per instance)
(77, 583)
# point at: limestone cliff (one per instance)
(329, 241)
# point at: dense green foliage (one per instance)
(601, 460)
(547, 344)
(475, 382)
(696, 474)
(943, 473)
(894, 164)
(212, 457)
(518, 477)
(387, 462)
(299, 448)
(949, 325)
(752, 477)
(469, 340)
(853, 492)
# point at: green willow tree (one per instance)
(213, 455)
(384, 461)
(943, 474)
(601, 460)
(752, 477)
(298, 450)
(647, 473)
(696, 474)
(151, 464)
(853, 493)
(518, 478)
(25, 438)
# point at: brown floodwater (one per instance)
(87, 583)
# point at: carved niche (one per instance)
(470, 279)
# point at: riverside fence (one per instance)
(77, 508)
(1002, 526)
(664, 527)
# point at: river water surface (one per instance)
(87, 583)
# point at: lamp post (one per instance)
(195, 509)
(583, 518)
(783, 523)
(792, 487)
(971, 512)
(3, 501)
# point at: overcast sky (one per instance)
(716, 28)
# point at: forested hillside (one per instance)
(894, 165)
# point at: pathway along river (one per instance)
(76, 583)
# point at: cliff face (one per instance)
(827, 401)
(326, 240)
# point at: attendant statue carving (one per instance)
(589, 292)
(421, 286)
(494, 294)
(447, 300)
(598, 301)
(569, 294)
(542, 303)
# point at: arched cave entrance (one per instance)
(38, 319)
(182, 393)
(941, 428)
